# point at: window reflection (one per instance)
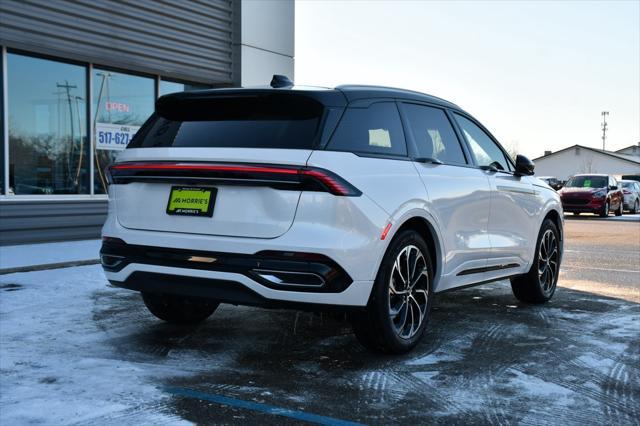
(167, 87)
(48, 143)
(122, 102)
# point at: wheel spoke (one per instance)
(407, 255)
(413, 320)
(395, 312)
(396, 268)
(420, 311)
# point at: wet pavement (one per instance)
(73, 350)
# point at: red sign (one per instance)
(117, 106)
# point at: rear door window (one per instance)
(433, 134)
(256, 121)
(376, 129)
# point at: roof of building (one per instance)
(631, 147)
(624, 157)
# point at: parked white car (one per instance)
(365, 199)
(631, 194)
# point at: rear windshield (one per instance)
(587, 182)
(256, 121)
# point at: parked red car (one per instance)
(598, 194)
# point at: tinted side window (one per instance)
(433, 134)
(375, 130)
(483, 148)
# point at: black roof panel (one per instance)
(339, 96)
(355, 92)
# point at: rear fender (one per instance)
(410, 210)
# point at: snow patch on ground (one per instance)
(51, 371)
(435, 358)
(535, 386)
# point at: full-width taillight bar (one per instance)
(284, 177)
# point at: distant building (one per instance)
(633, 150)
(583, 159)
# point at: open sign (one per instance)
(117, 106)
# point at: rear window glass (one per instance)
(259, 121)
(376, 130)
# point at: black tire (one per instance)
(535, 286)
(636, 206)
(376, 328)
(619, 211)
(605, 210)
(179, 309)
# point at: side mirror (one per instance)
(524, 166)
(613, 188)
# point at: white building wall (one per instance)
(266, 40)
(565, 164)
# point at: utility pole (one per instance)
(604, 127)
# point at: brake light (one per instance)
(285, 177)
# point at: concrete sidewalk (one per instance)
(33, 257)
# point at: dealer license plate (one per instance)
(191, 201)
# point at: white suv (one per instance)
(365, 199)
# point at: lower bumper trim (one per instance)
(224, 291)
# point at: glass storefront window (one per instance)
(48, 143)
(167, 87)
(122, 102)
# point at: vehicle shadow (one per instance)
(485, 358)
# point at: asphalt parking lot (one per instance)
(74, 350)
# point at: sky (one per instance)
(537, 74)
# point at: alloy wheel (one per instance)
(548, 257)
(408, 292)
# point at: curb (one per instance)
(46, 266)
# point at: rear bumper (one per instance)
(230, 287)
(266, 278)
(237, 289)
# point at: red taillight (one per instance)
(202, 167)
(626, 191)
(306, 178)
(332, 183)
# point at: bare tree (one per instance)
(512, 149)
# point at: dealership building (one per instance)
(80, 77)
(578, 159)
